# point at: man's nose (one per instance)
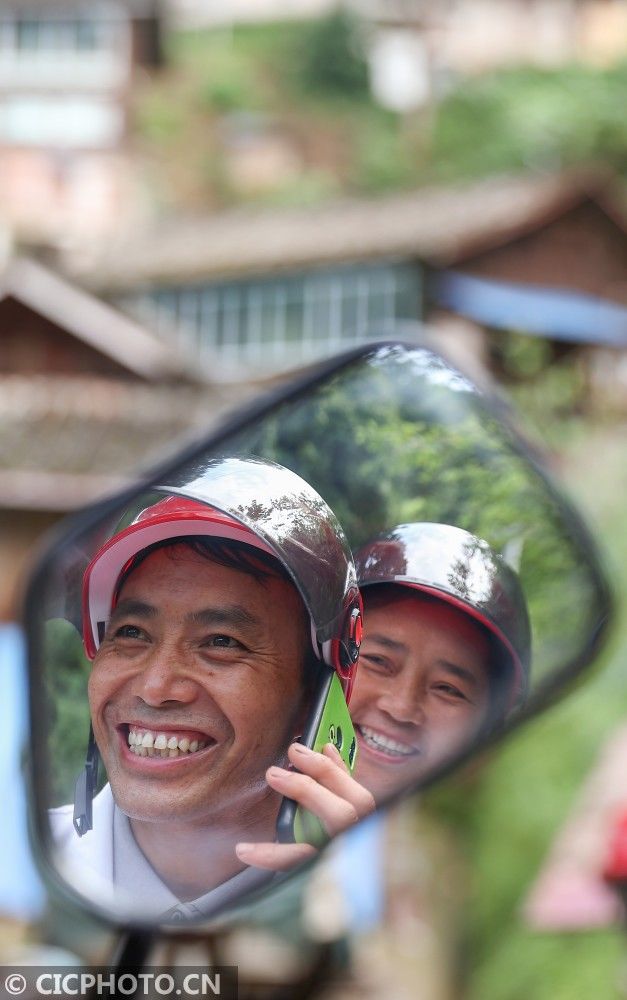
(164, 678)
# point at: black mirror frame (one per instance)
(74, 525)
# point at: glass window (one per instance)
(27, 33)
(86, 35)
(280, 321)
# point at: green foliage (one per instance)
(384, 159)
(523, 356)
(308, 188)
(551, 967)
(508, 811)
(228, 81)
(387, 442)
(67, 673)
(553, 399)
(159, 119)
(330, 56)
(516, 119)
(311, 80)
(226, 94)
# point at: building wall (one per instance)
(65, 80)
(20, 531)
(48, 196)
(584, 250)
(31, 344)
(476, 36)
(201, 13)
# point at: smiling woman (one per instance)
(445, 654)
(422, 688)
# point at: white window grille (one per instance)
(88, 49)
(274, 323)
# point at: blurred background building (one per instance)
(198, 197)
(67, 71)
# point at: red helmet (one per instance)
(463, 570)
(259, 503)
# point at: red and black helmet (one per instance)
(463, 570)
(253, 501)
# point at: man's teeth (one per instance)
(380, 742)
(146, 743)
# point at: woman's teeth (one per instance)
(145, 743)
(380, 742)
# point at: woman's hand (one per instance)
(324, 786)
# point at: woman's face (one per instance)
(421, 690)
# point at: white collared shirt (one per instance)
(108, 865)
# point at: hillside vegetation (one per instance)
(302, 89)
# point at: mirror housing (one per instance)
(388, 434)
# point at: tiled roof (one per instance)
(92, 321)
(437, 225)
(65, 441)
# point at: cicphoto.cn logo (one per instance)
(183, 982)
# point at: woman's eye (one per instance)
(375, 662)
(451, 691)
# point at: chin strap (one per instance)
(85, 788)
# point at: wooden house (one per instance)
(88, 398)
(67, 69)
(262, 292)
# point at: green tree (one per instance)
(67, 673)
(387, 442)
(330, 56)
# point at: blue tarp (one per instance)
(560, 314)
(21, 893)
(357, 864)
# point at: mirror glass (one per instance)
(472, 538)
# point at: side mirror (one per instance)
(389, 435)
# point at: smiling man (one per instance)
(207, 619)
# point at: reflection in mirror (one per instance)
(446, 650)
(201, 628)
(219, 617)
(402, 437)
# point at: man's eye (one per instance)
(222, 642)
(129, 632)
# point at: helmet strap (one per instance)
(85, 788)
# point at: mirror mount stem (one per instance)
(133, 951)
(85, 788)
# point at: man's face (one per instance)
(205, 663)
(421, 689)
